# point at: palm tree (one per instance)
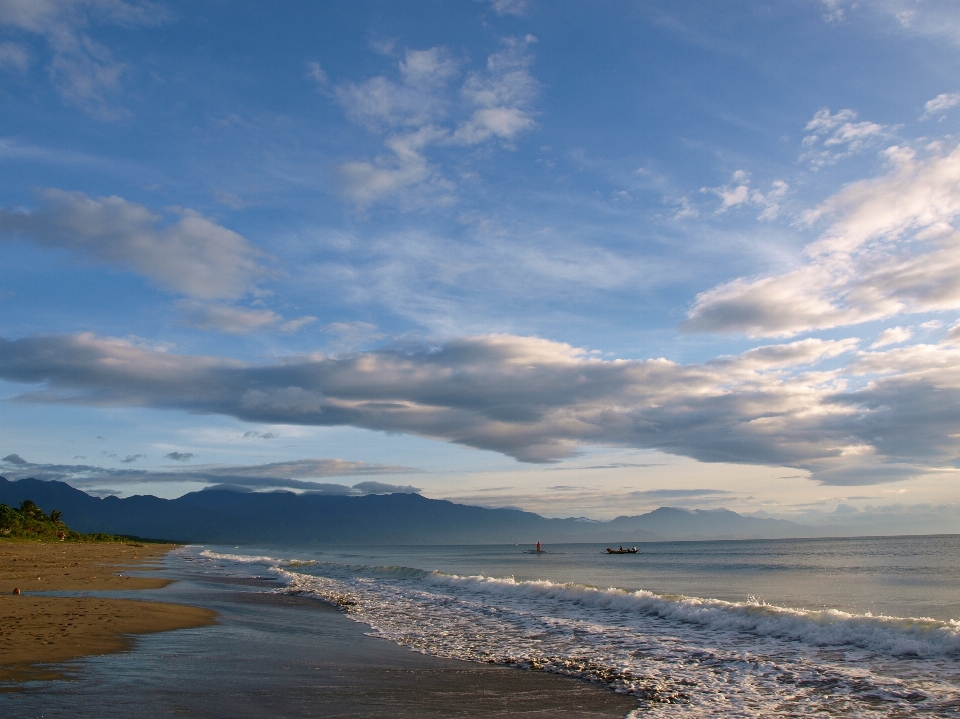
(29, 509)
(56, 516)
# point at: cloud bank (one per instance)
(295, 474)
(538, 400)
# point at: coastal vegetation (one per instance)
(28, 522)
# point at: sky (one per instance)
(581, 258)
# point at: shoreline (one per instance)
(37, 629)
(277, 654)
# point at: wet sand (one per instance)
(39, 630)
(274, 654)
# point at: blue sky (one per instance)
(573, 257)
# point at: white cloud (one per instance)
(502, 93)
(891, 249)
(367, 182)
(418, 99)
(415, 114)
(82, 70)
(501, 122)
(834, 137)
(940, 104)
(686, 210)
(738, 192)
(539, 400)
(433, 67)
(892, 336)
(379, 103)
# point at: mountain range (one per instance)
(221, 516)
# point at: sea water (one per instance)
(816, 627)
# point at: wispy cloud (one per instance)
(680, 493)
(833, 11)
(834, 137)
(83, 70)
(188, 254)
(316, 73)
(739, 193)
(510, 7)
(455, 283)
(940, 104)
(14, 56)
(890, 249)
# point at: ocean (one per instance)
(866, 627)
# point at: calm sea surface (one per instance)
(813, 627)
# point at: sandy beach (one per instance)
(39, 630)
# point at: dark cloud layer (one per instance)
(538, 400)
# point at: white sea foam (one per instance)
(702, 657)
(893, 635)
(251, 559)
(241, 558)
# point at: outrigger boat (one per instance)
(632, 550)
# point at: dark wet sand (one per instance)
(285, 656)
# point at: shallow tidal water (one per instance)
(274, 654)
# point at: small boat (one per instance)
(632, 550)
